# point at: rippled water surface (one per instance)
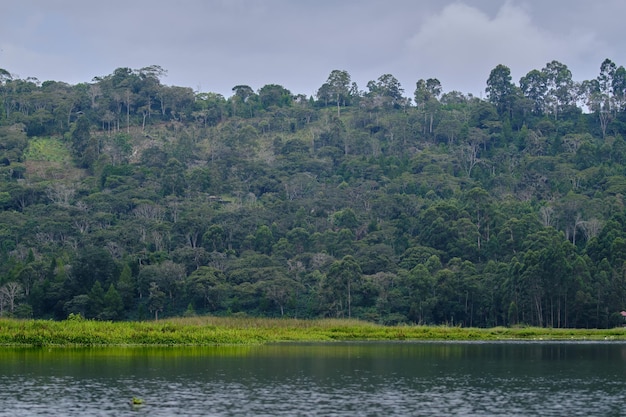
(341, 379)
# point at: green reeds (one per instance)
(203, 331)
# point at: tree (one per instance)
(27, 277)
(534, 86)
(469, 151)
(386, 91)
(113, 304)
(450, 127)
(422, 293)
(560, 87)
(156, 300)
(479, 206)
(243, 92)
(4, 76)
(242, 99)
(96, 300)
(214, 238)
(210, 108)
(274, 95)
(120, 148)
(338, 88)
(206, 287)
(175, 101)
(79, 305)
(341, 278)
(92, 264)
(500, 90)
(11, 292)
(619, 88)
(606, 80)
(173, 178)
(600, 94)
(547, 280)
(345, 219)
(169, 276)
(280, 290)
(83, 147)
(427, 93)
(126, 287)
(263, 240)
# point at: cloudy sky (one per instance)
(213, 45)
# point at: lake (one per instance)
(337, 379)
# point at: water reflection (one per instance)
(340, 379)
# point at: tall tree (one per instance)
(274, 95)
(426, 91)
(11, 292)
(341, 279)
(600, 94)
(605, 98)
(534, 87)
(156, 300)
(242, 100)
(113, 304)
(386, 89)
(619, 88)
(500, 90)
(338, 88)
(560, 93)
(426, 95)
(81, 142)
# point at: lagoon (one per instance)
(329, 379)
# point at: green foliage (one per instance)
(500, 89)
(113, 305)
(47, 149)
(274, 95)
(84, 147)
(75, 317)
(128, 199)
(203, 331)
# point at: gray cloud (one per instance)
(462, 44)
(216, 44)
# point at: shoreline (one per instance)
(215, 331)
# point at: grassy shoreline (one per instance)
(205, 331)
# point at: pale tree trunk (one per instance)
(127, 111)
(12, 290)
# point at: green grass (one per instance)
(203, 331)
(48, 158)
(47, 149)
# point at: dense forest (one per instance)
(128, 199)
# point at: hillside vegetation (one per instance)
(127, 199)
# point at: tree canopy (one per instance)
(125, 198)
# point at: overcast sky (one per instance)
(213, 45)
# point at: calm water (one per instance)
(343, 379)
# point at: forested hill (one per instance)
(126, 198)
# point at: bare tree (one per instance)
(11, 292)
(572, 229)
(61, 194)
(115, 249)
(82, 224)
(468, 155)
(546, 216)
(591, 228)
(150, 212)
